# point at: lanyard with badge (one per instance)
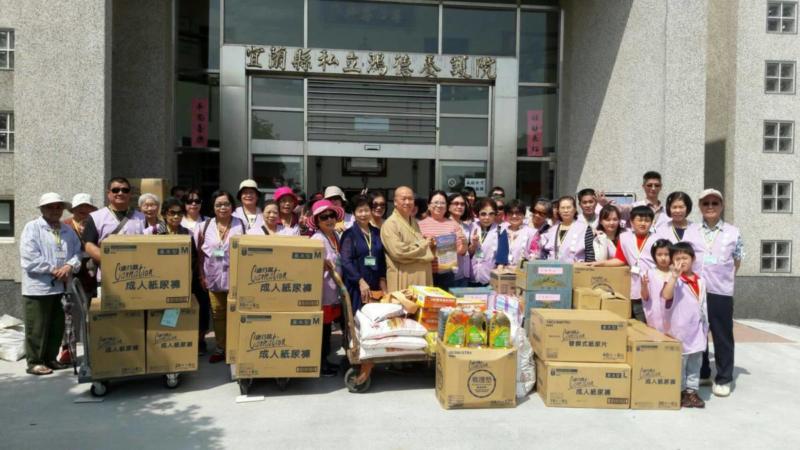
(635, 269)
(335, 245)
(709, 240)
(560, 240)
(369, 260)
(219, 252)
(481, 239)
(61, 254)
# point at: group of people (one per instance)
(682, 273)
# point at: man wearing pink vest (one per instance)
(116, 218)
(719, 249)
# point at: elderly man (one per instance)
(116, 218)
(49, 254)
(408, 253)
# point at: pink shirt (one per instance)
(687, 317)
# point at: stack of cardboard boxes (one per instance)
(430, 300)
(544, 284)
(503, 281)
(146, 320)
(607, 288)
(274, 314)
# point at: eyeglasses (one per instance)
(516, 212)
(461, 204)
(487, 213)
(438, 204)
(286, 199)
(117, 190)
(710, 203)
(194, 201)
(377, 205)
(539, 213)
(652, 185)
(174, 212)
(327, 216)
(222, 205)
(501, 208)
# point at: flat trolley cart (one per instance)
(357, 379)
(78, 329)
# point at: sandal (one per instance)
(39, 369)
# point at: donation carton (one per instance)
(503, 281)
(155, 186)
(655, 361)
(544, 275)
(474, 293)
(172, 339)
(583, 385)
(432, 297)
(279, 345)
(146, 272)
(587, 298)
(276, 273)
(116, 342)
(231, 331)
(609, 279)
(475, 377)
(617, 304)
(578, 335)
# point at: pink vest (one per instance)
(715, 264)
(687, 317)
(654, 306)
(483, 259)
(571, 249)
(106, 221)
(282, 231)
(239, 212)
(643, 259)
(330, 292)
(464, 261)
(216, 268)
(519, 243)
(665, 231)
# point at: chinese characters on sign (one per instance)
(200, 122)
(535, 147)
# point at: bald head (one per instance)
(404, 201)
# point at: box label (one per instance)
(481, 383)
(550, 271)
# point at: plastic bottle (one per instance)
(476, 330)
(500, 331)
(455, 329)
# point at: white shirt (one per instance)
(42, 250)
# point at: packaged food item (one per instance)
(500, 331)
(396, 326)
(456, 328)
(476, 330)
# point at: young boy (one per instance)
(687, 319)
(634, 251)
(653, 282)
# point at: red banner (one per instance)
(535, 146)
(200, 122)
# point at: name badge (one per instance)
(218, 253)
(709, 259)
(61, 254)
(479, 254)
(369, 261)
(635, 270)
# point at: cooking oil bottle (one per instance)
(456, 327)
(500, 331)
(476, 330)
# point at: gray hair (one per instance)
(148, 196)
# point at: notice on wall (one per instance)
(199, 122)
(535, 121)
(479, 184)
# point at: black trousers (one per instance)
(638, 310)
(720, 321)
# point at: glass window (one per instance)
(776, 256)
(469, 31)
(455, 175)
(776, 196)
(782, 17)
(464, 131)
(278, 125)
(272, 172)
(778, 137)
(360, 25)
(6, 131)
(537, 121)
(213, 35)
(464, 99)
(538, 47)
(6, 49)
(264, 22)
(780, 77)
(277, 92)
(6, 218)
(534, 180)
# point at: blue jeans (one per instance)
(690, 371)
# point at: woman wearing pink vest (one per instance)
(679, 206)
(249, 213)
(719, 249)
(520, 236)
(488, 245)
(566, 240)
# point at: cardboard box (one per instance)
(544, 275)
(276, 274)
(586, 298)
(578, 335)
(617, 304)
(475, 377)
(156, 186)
(429, 318)
(231, 331)
(609, 279)
(482, 293)
(655, 361)
(280, 344)
(429, 297)
(146, 272)
(173, 349)
(547, 299)
(503, 281)
(583, 385)
(116, 342)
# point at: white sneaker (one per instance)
(721, 390)
(706, 381)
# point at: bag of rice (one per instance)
(396, 326)
(369, 353)
(401, 342)
(378, 312)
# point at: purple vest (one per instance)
(643, 259)
(483, 259)
(330, 291)
(216, 268)
(239, 212)
(714, 263)
(571, 249)
(519, 244)
(654, 306)
(106, 221)
(687, 317)
(464, 261)
(665, 231)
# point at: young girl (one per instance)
(653, 282)
(686, 317)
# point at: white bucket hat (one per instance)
(247, 184)
(334, 191)
(50, 198)
(82, 199)
(710, 193)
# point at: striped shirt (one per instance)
(431, 227)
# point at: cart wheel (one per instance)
(350, 381)
(244, 385)
(283, 383)
(99, 388)
(172, 380)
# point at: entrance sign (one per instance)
(479, 184)
(535, 146)
(199, 122)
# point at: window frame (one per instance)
(779, 78)
(253, 109)
(9, 238)
(445, 115)
(774, 256)
(781, 18)
(9, 49)
(776, 196)
(9, 132)
(777, 137)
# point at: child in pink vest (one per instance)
(687, 319)
(653, 282)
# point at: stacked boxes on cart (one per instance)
(274, 314)
(146, 320)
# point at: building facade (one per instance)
(542, 97)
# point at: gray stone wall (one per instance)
(768, 298)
